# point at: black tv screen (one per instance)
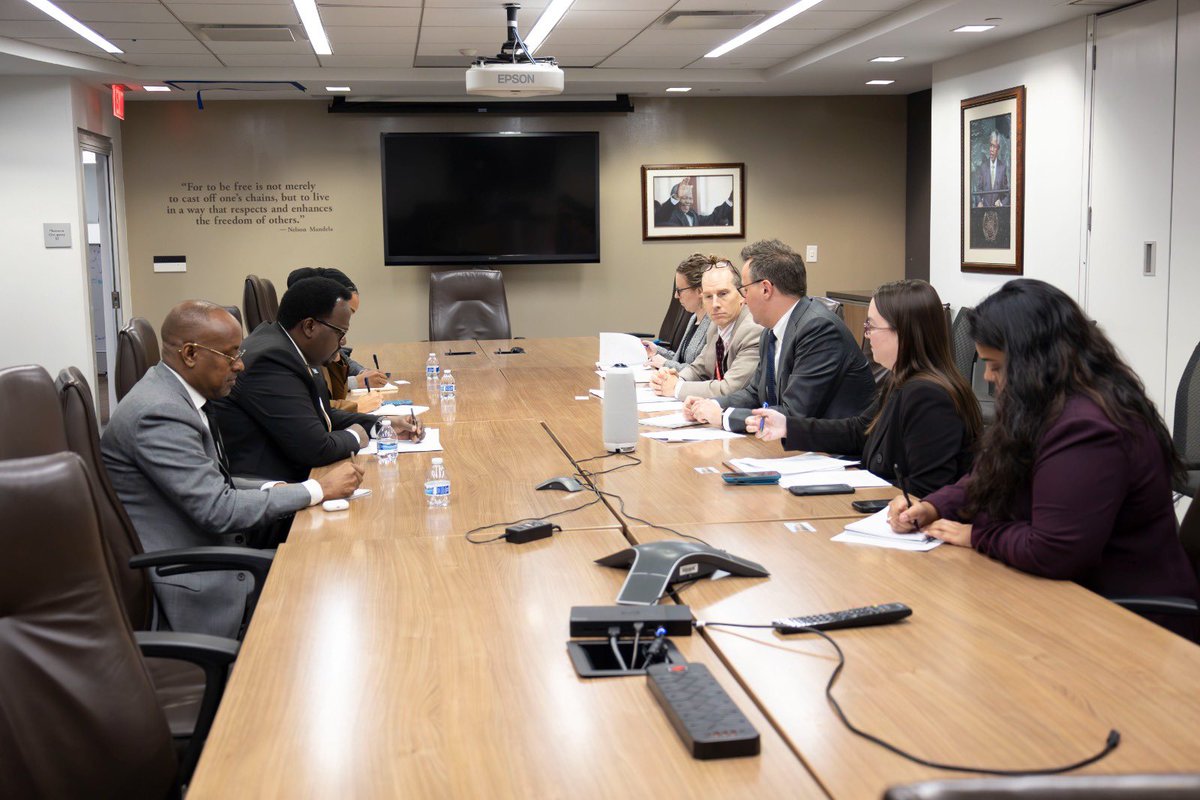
(491, 198)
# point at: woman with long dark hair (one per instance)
(1074, 479)
(926, 419)
(687, 292)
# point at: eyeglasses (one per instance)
(341, 331)
(742, 289)
(226, 356)
(686, 289)
(868, 328)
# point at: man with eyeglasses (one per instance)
(809, 364)
(167, 461)
(277, 421)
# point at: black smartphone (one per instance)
(751, 478)
(824, 488)
(869, 506)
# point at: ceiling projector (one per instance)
(514, 72)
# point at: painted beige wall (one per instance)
(828, 171)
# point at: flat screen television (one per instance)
(491, 198)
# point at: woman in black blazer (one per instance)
(925, 420)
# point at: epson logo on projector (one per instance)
(507, 78)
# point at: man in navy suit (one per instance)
(991, 177)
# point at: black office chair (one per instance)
(1187, 422)
(834, 306)
(1054, 787)
(81, 718)
(137, 351)
(235, 312)
(259, 301)
(468, 304)
(968, 363)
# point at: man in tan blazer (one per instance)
(730, 353)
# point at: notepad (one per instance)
(640, 375)
(431, 444)
(793, 465)
(399, 411)
(692, 435)
(858, 478)
(876, 532)
(669, 421)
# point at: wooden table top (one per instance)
(407, 359)
(573, 351)
(995, 667)
(435, 668)
(493, 469)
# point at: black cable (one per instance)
(515, 522)
(647, 523)
(1110, 744)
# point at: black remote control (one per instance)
(704, 716)
(850, 618)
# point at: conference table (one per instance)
(389, 656)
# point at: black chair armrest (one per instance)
(1159, 605)
(650, 336)
(211, 559)
(212, 654)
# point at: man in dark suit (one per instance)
(277, 420)
(809, 364)
(164, 455)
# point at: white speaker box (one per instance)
(620, 411)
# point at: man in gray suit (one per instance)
(809, 364)
(166, 459)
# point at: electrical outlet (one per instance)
(811, 255)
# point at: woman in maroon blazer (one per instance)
(1074, 479)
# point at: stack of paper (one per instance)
(858, 478)
(692, 435)
(669, 421)
(647, 400)
(876, 532)
(432, 443)
(640, 374)
(392, 410)
(621, 348)
(794, 465)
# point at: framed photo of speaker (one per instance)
(693, 201)
(993, 182)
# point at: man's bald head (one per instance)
(201, 342)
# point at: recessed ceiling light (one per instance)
(879, 83)
(679, 89)
(767, 24)
(75, 25)
(973, 29)
(887, 59)
(156, 88)
(307, 9)
(546, 22)
(337, 88)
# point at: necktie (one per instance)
(772, 397)
(719, 369)
(218, 442)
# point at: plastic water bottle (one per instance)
(432, 369)
(385, 442)
(437, 485)
(447, 385)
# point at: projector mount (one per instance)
(514, 50)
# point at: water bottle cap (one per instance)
(385, 421)
(431, 355)
(437, 461)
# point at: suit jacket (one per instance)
(741, 359)
(822, 371)
(272, 420)
(163, 464)
(1096, 508)
(919, 429)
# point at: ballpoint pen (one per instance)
(375, 358)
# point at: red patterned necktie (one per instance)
(719, 369)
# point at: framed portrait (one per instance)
(693, 201)
(993, 182)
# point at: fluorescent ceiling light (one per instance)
(312, 26)
(75, 25)
(337, 88)
(879, 83)
(679, 89)
(973, 29)
(887, 59)
(156, 88)
(546, 22)
(767, 24)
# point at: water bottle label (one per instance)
(429, 490)
(388, 447)
(432, 370)
(443, 491)
(447, 388)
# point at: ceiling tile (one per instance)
(401, 60)
(301, 47)
(575, 36)
(324, 4)
(368, 34)
(492, 4)
(41, 29)
(426, 48)
(332, 16)
(833, 20)
(577, 60)
(608, 19)
(796, 36)
(172, 3)
(171, 60)
(142, 30)
(492, 17)
(739, 63)
(20, 10)
(160, 45)
(708, 39)
(474, 34)
(622, 5)
(230, 14)
(376, 48)
(309, 60)
(592, 51)
(73, 45)
(117, 12)
(644, 61)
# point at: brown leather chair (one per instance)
(259, 302)
(834, 306)
(1054, 787)
(81, 718)
(137, 351)
(468, 304)
(38, 429)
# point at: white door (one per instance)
(1129, 249)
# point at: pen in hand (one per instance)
(904, 488)
(375, 358)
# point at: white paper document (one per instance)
(661, 404)
(669, 421)
(621, 348)
(431, 444)
(399, 411)
(640, 374)
(692, 435)
(858, 478)
(876, 532)
(643, 394)
(793, 465)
